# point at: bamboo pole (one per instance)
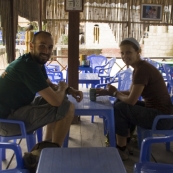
(12, 32)
(107, 21)
(40, 15)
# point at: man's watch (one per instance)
(115, 93)
(67, 90)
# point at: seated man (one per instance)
(20, 82)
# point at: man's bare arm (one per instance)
(54, 98)
(52, 85)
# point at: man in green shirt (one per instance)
(20, 82)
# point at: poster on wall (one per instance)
(73, 5)
(151, 12)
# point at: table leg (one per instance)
(111, 126)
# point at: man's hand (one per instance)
(62, 86)
(54, 86)
(78, 95)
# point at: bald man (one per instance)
(20, 82)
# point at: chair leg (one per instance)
(3, 154)
(92, 119)
(39, 134)
(65, 144)
(3, 151)
(167, 146)
(105, 126)
(0, 159)
(141, 135)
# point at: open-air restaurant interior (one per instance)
(96, 51)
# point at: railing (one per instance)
(119, 65)
(62, 61)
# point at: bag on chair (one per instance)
(31, 158)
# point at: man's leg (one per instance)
(39, 114)
(48, 131)
(58, 130)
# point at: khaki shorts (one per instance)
(36, 115)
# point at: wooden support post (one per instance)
(40, 15)
(73, 53)
(13, 52)
(129, 23)
(73, 49)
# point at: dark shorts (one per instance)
(36, 115)
(127, 115)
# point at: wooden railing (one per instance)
(119, 65)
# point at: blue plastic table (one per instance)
(102, 106)
(86, 69)
(80, 160)
(89, 78)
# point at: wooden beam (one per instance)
(40, 15)
(129, 27)
(73, 49)
(12, 31)
(107, 21)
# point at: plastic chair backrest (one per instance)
(55, 77)
(97, 60)
(150, 167)
(30, 138)
(17, 150)
(124, 80)
(144, 133)
(110, 64)
(169, 73)
(51, 67)
(105, 70)
(154, 63)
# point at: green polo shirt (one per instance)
(18, 87)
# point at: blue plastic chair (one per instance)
(52, 67)
(123, 78)
(30, 137)
(20, 164)
(54, 73)
(144, 133)
(55, 77)
(158, 66)
(169, 76)
(97, 60)
(143, 166)
(104, 71)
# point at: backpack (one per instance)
(31, 158)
